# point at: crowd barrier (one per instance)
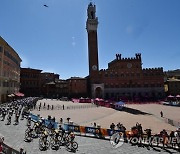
(71, 107)
(140, 103)
(47, 123)
(91, 131)
(100, 133)
(172, 122)
(8, 150)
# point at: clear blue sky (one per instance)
(55, 39)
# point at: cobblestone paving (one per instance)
(14, 136)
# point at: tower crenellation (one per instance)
(118, 56)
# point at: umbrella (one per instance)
(97, 99)
(170, 96)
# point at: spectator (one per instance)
(172, 136)
(1, 141)
(161, 114)
(0, 148)
(61, 120)
(53, 119)
(112, 126)
(68, 119)
(95, 125)
(119, 126)
(49, 117)
(22, 151)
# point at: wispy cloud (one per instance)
(129, 29)
(136, 30)
(73, 41)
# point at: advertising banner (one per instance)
(34, 117)
(73, 128)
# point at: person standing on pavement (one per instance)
(161, 114)
(1, 141)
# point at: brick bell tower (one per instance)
(91, 26)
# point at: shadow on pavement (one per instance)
(134, 111)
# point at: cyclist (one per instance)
(8, 120)
(70, 143)
(3, 114)
(28, 134)
(29, 121)
(44, 137)
(56, 136)
(71, 136)
(1, 141)
(62, 131)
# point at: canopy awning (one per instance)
(170, 96)
(177, 96)
(19, 94)
(119, 105)
(99, 99)
(11, 95)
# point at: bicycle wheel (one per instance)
(41, 147)
(75, 145)
(67, 145)
(40, 141)
(52, 143)
(47, 144)
(60, 138)
(34, 135)
(27, 137)
(27, 130)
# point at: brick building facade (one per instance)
(77, 87)
(172, 82)
(9, 70)
(124, 77)
(30, 81)
(34, 82)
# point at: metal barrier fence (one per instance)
(100, 133)
(172, 122)
(8, 150)
(78, 129)
(71, 107)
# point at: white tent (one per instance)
(119, 105)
